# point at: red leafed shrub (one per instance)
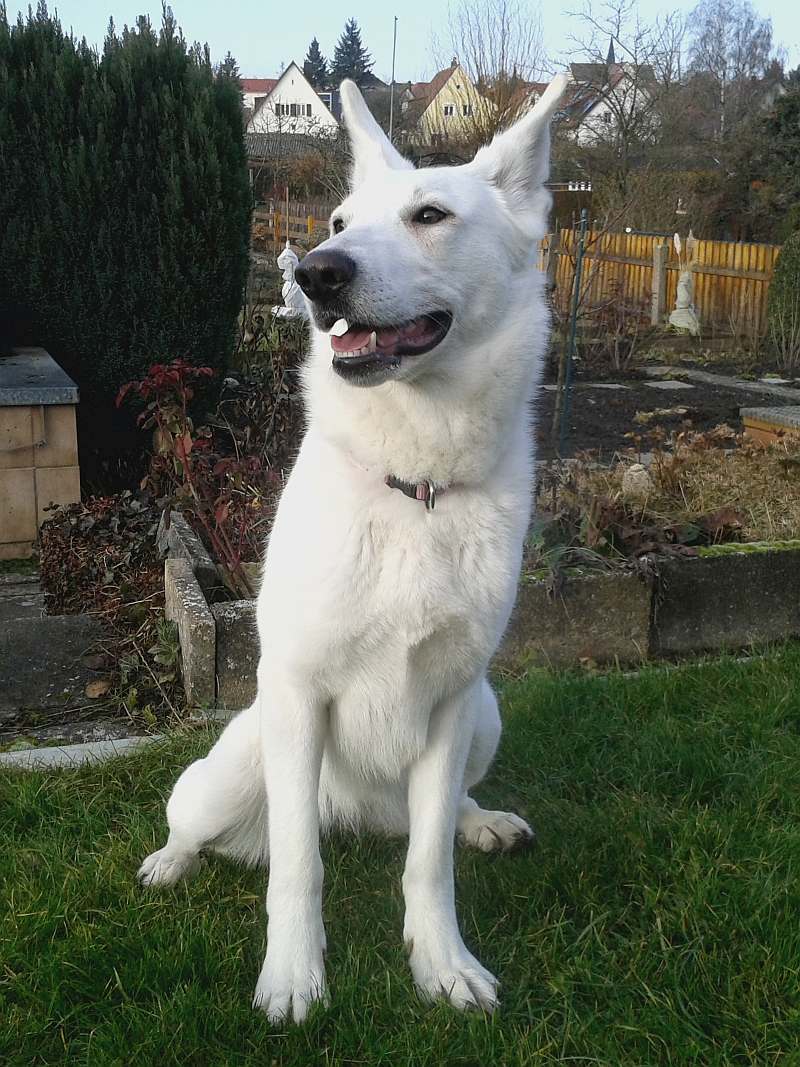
(227, 498)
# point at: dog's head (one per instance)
(421, 262)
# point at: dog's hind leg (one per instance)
(218, 803)
(489, 831)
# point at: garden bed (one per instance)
(662, 607)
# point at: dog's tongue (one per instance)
(350, 341)
(357, 337)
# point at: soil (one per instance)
(600, 418)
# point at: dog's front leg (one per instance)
(292, 740)
(440, 962)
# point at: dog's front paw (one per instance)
(493, 831)
(168, 866)
(289, 983)
(452, 973)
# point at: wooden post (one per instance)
(276, 225)
(551, 266)
(310, 224)
(659, 305)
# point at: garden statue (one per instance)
(294, 306)
(684, 317)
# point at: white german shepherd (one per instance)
(393, 564)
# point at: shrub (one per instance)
(783, 305)
(124, 186)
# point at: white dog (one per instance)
(393, 563)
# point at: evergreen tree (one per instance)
(229, 68)
(124, 196)
(315, 66)
(350, 58)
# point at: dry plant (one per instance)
(707, 488)
(784, 330)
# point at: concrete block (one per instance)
(15, 549)
(60, 448)
(726, 601)
(186, 606)
(238, 653)
(56, 485)
(17, 505)
(16, 438)
(179, 541)
(603, 617)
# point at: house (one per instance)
(447, 108)
(602, 97)
(289, 104)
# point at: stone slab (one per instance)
(727, 601)
(238, 653)
(785, 392)
(185, 605)
(41, 663)
(782, 418)
(30, 605)
(604, 618)
(32, 376)
(66, 756)
(179, 541)
(670, 386)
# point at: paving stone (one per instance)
(21, 606)
(787, 417)
(670, 386)
(41, 663)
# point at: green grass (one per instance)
(658, 921)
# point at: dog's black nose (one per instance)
(323, 274)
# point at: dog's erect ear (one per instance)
(371, 148)
(518, 160)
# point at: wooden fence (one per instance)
(307, 224)
(731, 280)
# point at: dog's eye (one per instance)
(338, 225)
(429, 216)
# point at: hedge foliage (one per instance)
(124, 197)
(783, 302)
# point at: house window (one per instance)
(258, 101)
(449, 109)
(467, 109)
(607, 116)
(294, 110)
(308, 111)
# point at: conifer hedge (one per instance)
(124, 197)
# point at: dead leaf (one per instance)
(97, 689)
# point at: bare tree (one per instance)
(627, 79)
(731, 51)
(499, 45)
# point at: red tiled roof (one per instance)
(258, 85)
(428, 90)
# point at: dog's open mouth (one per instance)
(360, 351)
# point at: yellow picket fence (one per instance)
(303, 225)
(731, 280)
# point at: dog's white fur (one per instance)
(378, 618)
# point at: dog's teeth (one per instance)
(339, 328)
(372, 344)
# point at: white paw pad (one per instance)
(494, 831)
(167, 867)
(456, 977)
(289, 995)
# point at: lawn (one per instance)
(657, 922)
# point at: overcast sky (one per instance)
(265, 36)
